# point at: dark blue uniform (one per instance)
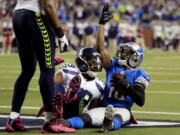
(36, 43)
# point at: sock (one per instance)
(76, 122)
(48, 116)
(14, 115)
(117, 124)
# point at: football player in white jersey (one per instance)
(77, 87)
(34, 23)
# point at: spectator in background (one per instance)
(122, 28)
(75, 37)
(140, 37)
(168, 33)
(176, 33)
(1, 32)
(81, 25)
(89, 35)
(7, 35)
(112, 34)
(157, 32)
(71, 35)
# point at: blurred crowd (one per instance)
(151, 23)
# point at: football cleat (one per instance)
(53, 127)
(50, 126)
(14, 125)
(108, 123)
(74, 85)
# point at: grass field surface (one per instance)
(162, 95)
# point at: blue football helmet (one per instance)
(129, 54)
(89, 61)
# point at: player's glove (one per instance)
(58, 60)
(106, 16)
(71, 93)
(120, 82)
(62, 40)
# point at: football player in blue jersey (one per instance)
(125, 85)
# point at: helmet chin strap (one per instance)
(92, 74)
(89, 75)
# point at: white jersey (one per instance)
(93, 88)
(68, 71)
(32, 5)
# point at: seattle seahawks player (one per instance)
(77, 86)
(125, 85)
(35, 23)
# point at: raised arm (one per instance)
(106, 16)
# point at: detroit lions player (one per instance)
(34, 23)
(78, 85)
(125, 85)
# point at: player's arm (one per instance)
(106, 16)
(50, 10)
(100, 47)
(137, 93)
(51, 13)
(58, 77)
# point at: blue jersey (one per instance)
(133, 75)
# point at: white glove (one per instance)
(63, 44)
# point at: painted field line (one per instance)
(154, 92)
(26, 117)
(154, 81)
(160, 68)
(142, 112)
(167, 58)
(163, 73)
(24, 107)
(165, 81)
(38, 73)
(162, 92)
(163, 113)
(11, 88)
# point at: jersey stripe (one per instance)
(70, 72)
(99, 88)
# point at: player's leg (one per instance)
(44, 45)
(115, 118)
(93, 117)
(28, 64)
(45, 51)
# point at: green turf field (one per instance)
(162, 95)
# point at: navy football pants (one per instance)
(36, 43)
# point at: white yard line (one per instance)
(167, 58)
(154, 92)
(142, 112)
(163, 113)
(164, 68)
(153, 81)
